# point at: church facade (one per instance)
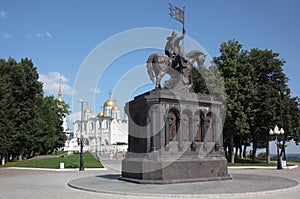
(104, 131)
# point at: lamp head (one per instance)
(276, 130)
(281, 131)
(271, 132)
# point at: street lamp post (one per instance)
(81, 167)
(96, 138)
(277, 132)
(100, 137)
(283, 139)
(100, 145)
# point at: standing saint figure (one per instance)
(185, 127)
(198, 133)
(172, 126)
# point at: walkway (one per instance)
(246, 183)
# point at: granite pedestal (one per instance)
(174, 137)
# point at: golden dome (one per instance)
(100, 114)
(109, 102)
(87, 110)
(59, 99)
(115, 107)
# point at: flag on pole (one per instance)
(176, 13)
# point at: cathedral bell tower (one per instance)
(59, 95)
(59, 104)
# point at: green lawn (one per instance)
(53, 163)
(91, 162)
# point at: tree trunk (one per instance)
(3, 159)
(241, 155)
(268, 153)
(245, 149)
(225, 149)
(21, 151)
(231, 149)
(254, 150)
(241, 148)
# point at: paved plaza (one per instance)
(246, 183)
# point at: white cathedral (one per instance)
(105, 131)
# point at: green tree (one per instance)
(270, 80)
(50, 132)
(230, 64)
(198, 79)
(246, 93)
(257, 97)
(6, 122)
(29, 122)
(25, 91)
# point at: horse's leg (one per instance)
(158, 79)
(155, 69)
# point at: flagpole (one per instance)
(178, 14)
(183, 17)
(183, 24)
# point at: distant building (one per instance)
(104, 130)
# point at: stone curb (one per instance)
(104, 169)
(45, 169)
(225, 195)
(260, 167)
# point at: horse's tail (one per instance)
(150, 67)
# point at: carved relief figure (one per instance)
(172, 126)
(185, 127)
(208, 126)
(198, 133)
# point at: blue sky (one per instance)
(61, 37)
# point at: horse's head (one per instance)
(200, 60)
(197, 56)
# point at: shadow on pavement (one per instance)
(110, 176)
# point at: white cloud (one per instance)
(4, 35)
(3, 14)
(51, 84)
(73, 117)
(48, 34)
(95, 90)
(39, 35)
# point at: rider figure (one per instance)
(174, 50)
(172, 47)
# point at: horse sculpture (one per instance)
(160, 64)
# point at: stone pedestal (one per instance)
(174, 137)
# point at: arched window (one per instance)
(107, 125)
